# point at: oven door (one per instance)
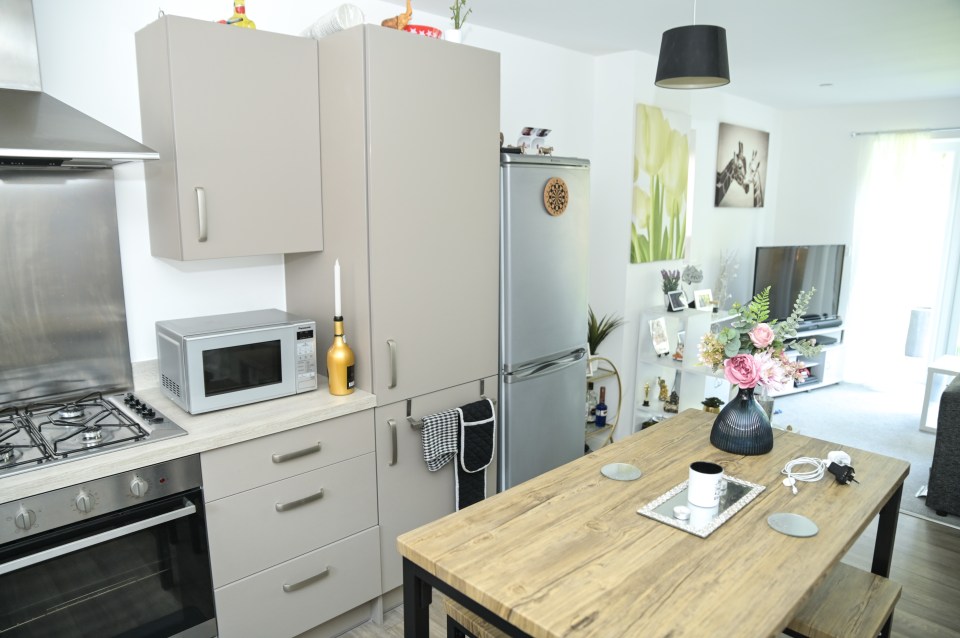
(240, 367)
(143, 571)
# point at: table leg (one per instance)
(417, 595)
(883, 547)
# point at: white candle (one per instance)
(336, 289)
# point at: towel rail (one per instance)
(417, 424)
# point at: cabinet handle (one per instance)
(284, 507)
(291, 587)
(202, 213)
(393, 441)
(289, 456)
(392, 346)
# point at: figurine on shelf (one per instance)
(678, 355)
(398, 22)
(663, 396)
(646, 395)
(239, 17)
(673, 404)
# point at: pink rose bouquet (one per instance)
(752, 351)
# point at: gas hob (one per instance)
(37, 435)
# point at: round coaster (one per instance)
(621, 471)
(793, 524)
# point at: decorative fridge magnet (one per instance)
(556, 196)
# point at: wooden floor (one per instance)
(926, 562)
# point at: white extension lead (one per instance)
(811, 475)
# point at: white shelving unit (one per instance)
(697, 382)
(825, 368)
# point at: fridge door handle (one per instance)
(546, 367)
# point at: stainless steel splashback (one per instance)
(63, 327)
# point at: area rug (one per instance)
(884, 420)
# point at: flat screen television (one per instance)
(790, 269)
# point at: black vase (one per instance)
(742, 427)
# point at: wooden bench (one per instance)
(850, 603)
(463, 622)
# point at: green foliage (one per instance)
(737, 339)
(459, 17)
(662, 241)
(598, 330)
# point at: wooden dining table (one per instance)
(567, 554)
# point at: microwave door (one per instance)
(240, 368)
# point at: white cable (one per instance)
(808, 476)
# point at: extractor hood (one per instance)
(37, 130)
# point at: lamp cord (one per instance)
(807, 476)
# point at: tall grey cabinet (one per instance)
(409, 136)
(233, 114)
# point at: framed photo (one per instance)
(741, 166)
(703, 299)
(677, 300)
(658, 332)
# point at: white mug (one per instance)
(705, 484)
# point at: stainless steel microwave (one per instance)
(221, 361)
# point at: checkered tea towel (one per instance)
(439, 438)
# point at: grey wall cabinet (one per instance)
(233, 114)
(410, 131)
(409, 495)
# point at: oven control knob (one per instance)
(139, 487)
(84, 502)
(25, 519)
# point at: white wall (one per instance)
(820, 169)
(88, 60)
(622, 81)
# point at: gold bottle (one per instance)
(340, 362)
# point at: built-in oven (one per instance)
(121, 556)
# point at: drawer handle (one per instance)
(291, 587)
(392, 347)
(285, 507)
(289, 456)
(393, 441)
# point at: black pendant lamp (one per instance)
(693, 57)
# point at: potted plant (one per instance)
(598, 330)
(459, 16)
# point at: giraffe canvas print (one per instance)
(741, 166)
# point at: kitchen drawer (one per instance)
(236, 468)
(249, 533)
(258, 606)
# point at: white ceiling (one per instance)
(780, 51)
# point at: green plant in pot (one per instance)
(459, 16)
(600, 329)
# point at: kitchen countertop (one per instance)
(204, 432)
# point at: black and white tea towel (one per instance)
(467, 434)
(478, 436)
(439, 438)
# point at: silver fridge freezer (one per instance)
(544, 222)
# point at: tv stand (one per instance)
(825, 368)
